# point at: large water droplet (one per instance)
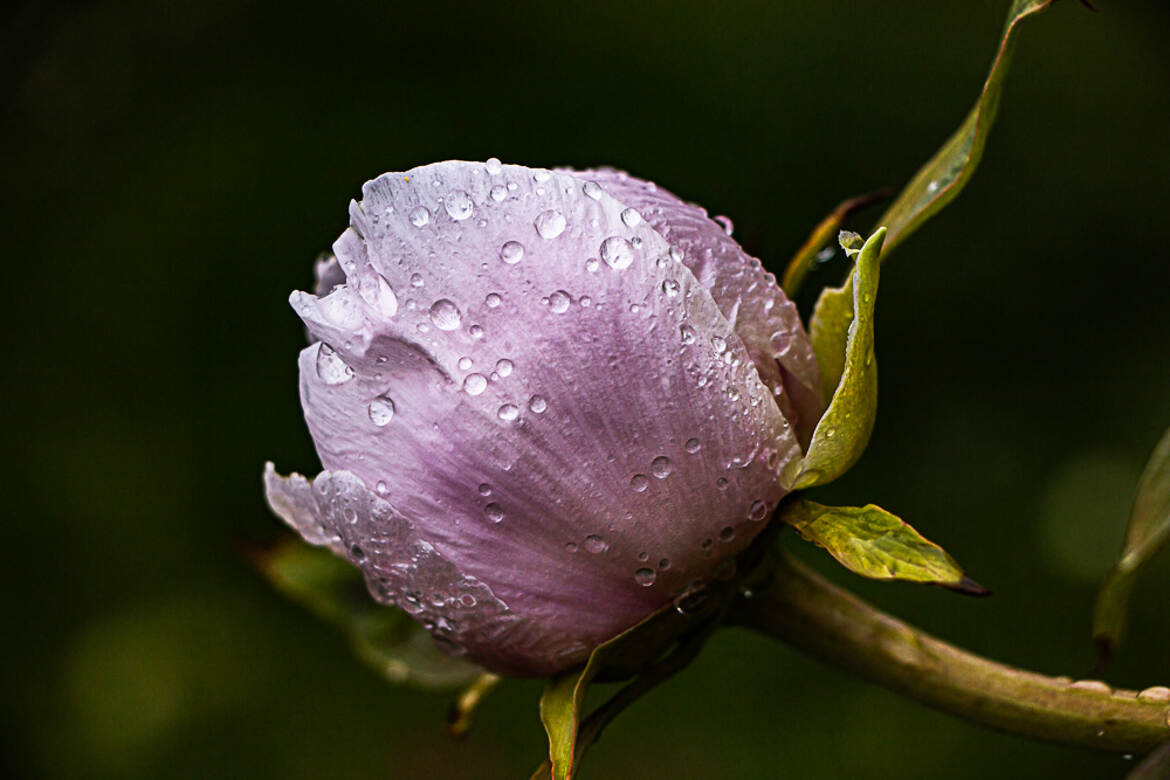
(504, 367)
(639, 482)
(661, 467)
(445, 315)
(494, 512)
(537, 404)
(595, 544)
(645, 577)
(420, 216)
(330, 367)
(378, 294)
(617, 252)
(381, 410)
(550, 224)
(459, 205)
(512, 252)
(474, 384)
(559, 302)
(508, 412)
(631, 218)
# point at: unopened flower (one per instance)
(547, 404)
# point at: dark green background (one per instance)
(169, 174)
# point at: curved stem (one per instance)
(805, 610)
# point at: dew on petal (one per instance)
(664, 564)
(727, 533)
(416, 280)
(464, 363)
(592, 189)
(512, 252)
(508, 412)
(686, 333)
(474, 384)
(493, 165)
(445, 315)
(670, 287)
(492, 300)
(592, 264)
(571, 547)
(639, 482)
(550, 224)
(381, 410)
(617, 252)
(693, 445)
(484, 489)
(631, 218)
(719, 344)
(330, 367)
(475, 331)
(494, 512)
(420, 216)
(559, 302)
(721, 483)
(645, 577)
(537, 404)
(504, 367)
(498, 192)
(661, 467)
(382, 487)
(757, 512)
(378, 294)
(595, 544)
(459, 205)
(341, 308)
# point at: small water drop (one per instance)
(719, 344)
(671, 288)
(494, 512)
(550, 224)
(757, 511)
(492, 300)
(493, 165)
(381, 487)
(474, 384)
(661, 467)
(445, 315)
(357, 553)
(721, 483)
(420, 216)
(416, 280)
(592, 189)
(592, 264)
(595, 544)
(693, 445)
(504, 367)
(664, 564)
(631, 218)
(381, 410)
(728, 227)
(475, 331)
(341, 308)
(537, 404)
(586, 301)
(559, 302)
(330, 367)
(727, 533)
(464, 363)
(645, 577)
(512, 252)
(498, 192)
(571, 547)
(459, 205)
(378, 294)
(484, 489)
(686, 333)
(508, 412)
(617, 252)
(639, 482)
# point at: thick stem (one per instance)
(805, 610)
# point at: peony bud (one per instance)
(547, 402)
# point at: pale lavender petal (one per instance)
(749, 297)
(556, 404)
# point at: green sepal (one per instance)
(842, 325)
(1148, 532)
(384, 637)
(946, 173)
(874, 543)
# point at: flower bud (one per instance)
(547, 404)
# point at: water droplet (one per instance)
(661, 467)
(459, 205)
(504, 367)
(592, 264)
(664, 564)
(512, 252)
(492, 300)
(541, 175)
(592, 189)
(416, 280)
(639, 482)
(381, 487)
(341, 308)
(617, 252)
(493, 165)
(687, 333)
(467, 600)
(670, 287)
(721, 483)
(559, 302)
(571, 547)
(757, 511)
(586, 301)
(475, 331)
(727, 533)
(631, 218)
(508, 412)
(693, 445)
(537, 404)
(595, 544)
(550, 224)
(643, 556)
(645, 577)
(474, 384)
(357, 553)
(1156, 693)
(494, 512)
(464, 363)
(378, 294)
(330, 367)
(484, 489)
(381, 410)
(728, 227)
(498, 193)
(676, 254)
(445, 315)
(420, 216)
(719, 344)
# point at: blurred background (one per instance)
(171, 171)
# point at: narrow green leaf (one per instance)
(1148, 531)
(949, 170)
(844, 429)
(876, 544)
(384, 637)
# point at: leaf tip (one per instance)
(969, 587)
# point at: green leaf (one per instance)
(384, 637)
(951, 167)
(872, 542)
(844, 429)
(1148, 531)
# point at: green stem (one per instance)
(805, 610)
